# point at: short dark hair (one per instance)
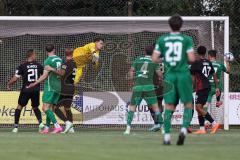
(30, 52)
(175, 22)
(201, 50)
(212, 53)
(98, 39)
(68, 51)
(149, 50)
(49, 47)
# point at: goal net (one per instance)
(106, 92)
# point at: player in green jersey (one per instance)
(177, 51)
(52, 88)
(142, 72)
(219, 70)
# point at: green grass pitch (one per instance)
(113, 145)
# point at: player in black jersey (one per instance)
(29, 70)
(68, 71)
(201, 70)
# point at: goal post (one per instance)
(226, 76)
(18, 33)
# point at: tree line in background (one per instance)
(229, 8)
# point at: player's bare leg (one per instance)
(187, 118)
(132, 109)
(17, 117)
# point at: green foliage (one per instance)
(229, 8)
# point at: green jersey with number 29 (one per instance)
(53, 82)
(174, 48)
(144, 71)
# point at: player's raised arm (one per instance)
(99, 43)
(227, 68)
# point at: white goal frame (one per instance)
(211, 19)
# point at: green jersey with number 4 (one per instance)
(174, 48)
(53, 82)
(219, 69)
(144, 71)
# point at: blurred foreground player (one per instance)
(202, 70)
(29, 70)
(86, 54)
(52, 88)
(141, 73)
(67, 73)
(176, 50)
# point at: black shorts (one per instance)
(202, 96)
(25, 96)
(65, 101)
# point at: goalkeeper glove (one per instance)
(95, 58)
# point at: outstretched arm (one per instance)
(42, 78)
(59, 72)
(227, 67)
(216, 84)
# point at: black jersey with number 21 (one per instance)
(30, 72)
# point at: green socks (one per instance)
(48, 121)
(51, 116)
(167, 120)
(158, 116)
(187, 117)
(130, 117)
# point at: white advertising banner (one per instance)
(234, 108)
(110, 108)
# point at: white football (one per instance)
(229, 56)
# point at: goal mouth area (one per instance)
(19, 33)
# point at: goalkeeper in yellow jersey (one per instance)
(87, 54)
